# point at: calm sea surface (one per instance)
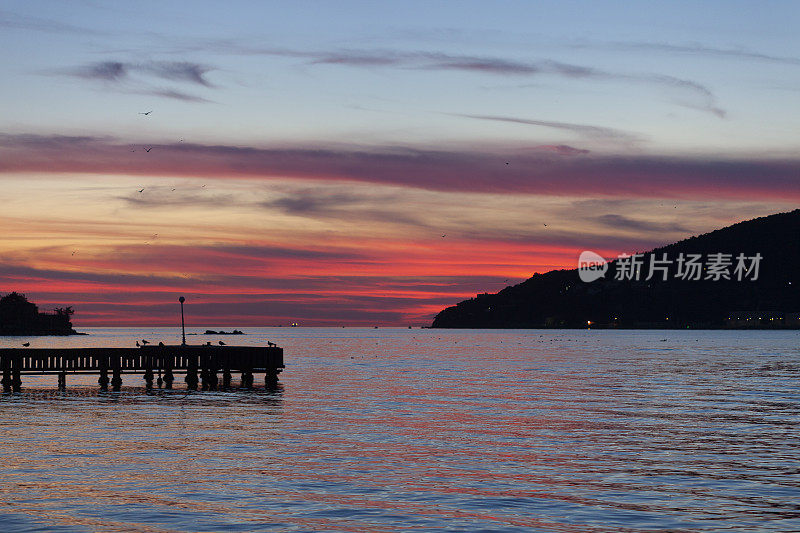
(428, 430)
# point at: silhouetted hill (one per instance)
(560, 299)
(18, 316)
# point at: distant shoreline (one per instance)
(73, 333)
(440, 329)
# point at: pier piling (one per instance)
(168, 377)
(16, 381)
(116, 370)
(149, 375)
(191, 374)
(103, 379)
(6, 381)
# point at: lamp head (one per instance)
(181, 299)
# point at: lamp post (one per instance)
(183, 327)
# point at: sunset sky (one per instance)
(370, 163)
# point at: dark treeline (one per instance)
(18, 316)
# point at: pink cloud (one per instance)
(535, 172)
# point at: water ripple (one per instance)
(387, 430)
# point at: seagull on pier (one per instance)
(138, 345)
(221, 343)
(208, 343)
(145, 342)
(26, 344)
(161, 344)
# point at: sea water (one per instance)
(427, 430)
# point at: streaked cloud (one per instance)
(136, 78)
(177, 71)
(705, 50)
(622, 222)
(707, 101)
(247, 296)
(472, 169)
(15, 21)
(505, 67)
(563, 149)
(239, 252)
(323, 203)
(585, 130)
(491, 65)
(104, 71)
(116, 71)
(165, 197)
(176, 95)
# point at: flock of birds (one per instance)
(145, 342)
(140, 191)
(147, 114)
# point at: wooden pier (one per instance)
(199, 364)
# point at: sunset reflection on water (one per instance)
(382, 430)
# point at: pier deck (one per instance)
(167, 360)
